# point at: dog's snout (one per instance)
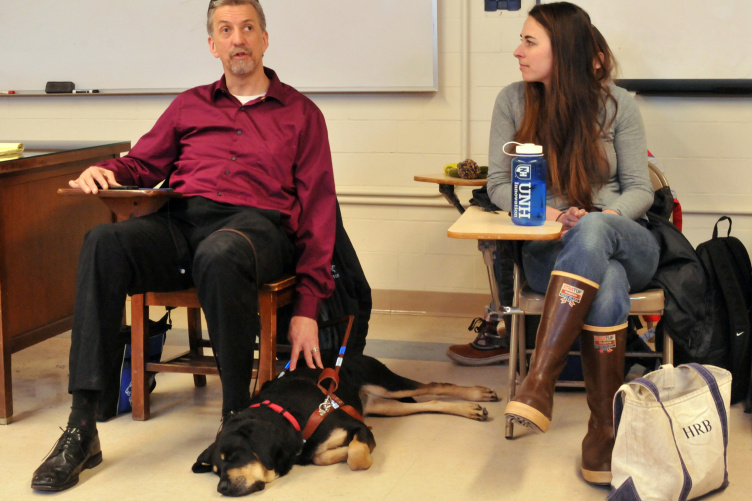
(224, 486)
(228, 488)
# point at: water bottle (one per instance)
(528, 185)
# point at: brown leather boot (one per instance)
(567, 302)
(490, 346)
(602, 350)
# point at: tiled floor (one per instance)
(419, 457)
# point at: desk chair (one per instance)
(127, 204)
(531, 303)
(272, 296)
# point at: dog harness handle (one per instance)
(334, 374)
(329, 373)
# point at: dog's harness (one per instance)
(331, 401)
(279, 410)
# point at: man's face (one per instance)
(237, 39)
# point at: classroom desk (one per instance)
(127, 204)
(40, 240)
(447, 184)
(491, 228)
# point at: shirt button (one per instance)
(240, 132)
(219, 193)
(234, 158)
(242, 108)
(227, 172)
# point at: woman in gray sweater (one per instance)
(599, 189)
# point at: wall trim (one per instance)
(430, 303)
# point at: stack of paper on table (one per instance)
(11, 149)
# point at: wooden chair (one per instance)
(127, 204)
(272, 296)
(642, 303)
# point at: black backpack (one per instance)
(729, 274)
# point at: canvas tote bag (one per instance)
(671, 431)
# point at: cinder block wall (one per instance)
(380, 141)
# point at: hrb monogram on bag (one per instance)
(570, 294)
(697, 429)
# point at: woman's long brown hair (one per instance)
(566, 121)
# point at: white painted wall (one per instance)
(380, 142)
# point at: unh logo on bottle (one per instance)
(523, 172)
(522, 188)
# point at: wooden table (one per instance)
(40, 240)
(489, 228)
(447, 184)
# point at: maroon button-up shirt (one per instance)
(271, 153)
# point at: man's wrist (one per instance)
(307, 306)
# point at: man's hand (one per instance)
(304, 336)
(93, 178)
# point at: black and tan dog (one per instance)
(263, 442)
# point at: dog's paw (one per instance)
(477, 412)
(483, 394)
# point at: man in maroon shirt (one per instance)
(251, 157)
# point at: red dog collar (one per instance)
(279, 410)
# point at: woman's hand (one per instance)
(570, 218)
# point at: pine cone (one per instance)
(468, 169)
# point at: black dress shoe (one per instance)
(72, 454)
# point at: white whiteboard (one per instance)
(314, 45)
(676, 39)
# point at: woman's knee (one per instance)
(591, 230)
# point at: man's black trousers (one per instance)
(173, 249)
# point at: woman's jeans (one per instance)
(619, 254)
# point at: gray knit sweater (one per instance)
(628, 190)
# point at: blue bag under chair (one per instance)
(116, 397)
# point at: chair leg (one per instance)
(194, 341)
(668, 349)
(139, 346)
(267, 338)
(517, 355)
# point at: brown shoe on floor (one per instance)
(491, 346)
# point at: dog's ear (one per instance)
(286, 453)
(283, 451)
(275, 445)
(204, 462)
